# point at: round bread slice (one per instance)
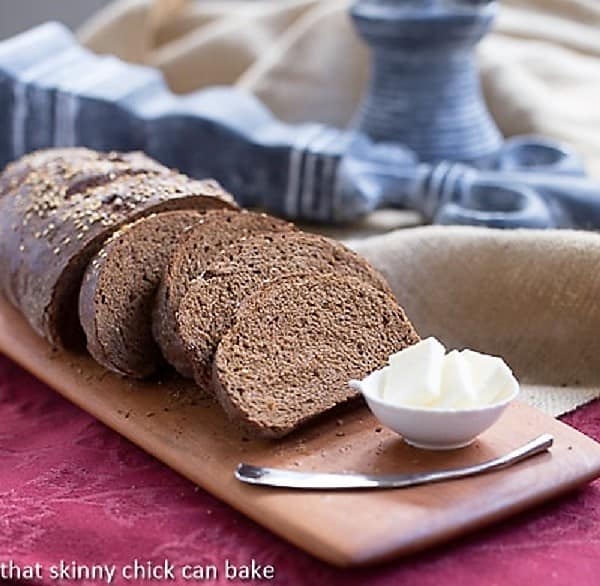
(207, 310)
(118, 291)
(295, 345)
(215, 232)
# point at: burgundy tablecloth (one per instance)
(73, 490)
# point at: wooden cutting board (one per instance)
(344, 528)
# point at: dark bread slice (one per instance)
(217, 231)
(48, 234)
(207, 310)
(118, 291)
(295, 345)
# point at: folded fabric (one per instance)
(540, 72)
(528, 296)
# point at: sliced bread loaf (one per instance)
(52, 224)
(118, 291)
(295, 345)
(207, 310)
(215, 232)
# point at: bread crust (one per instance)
(57, 215)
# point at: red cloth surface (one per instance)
(72, 489)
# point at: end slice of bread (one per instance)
(295, 345)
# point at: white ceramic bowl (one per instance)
(429, 428)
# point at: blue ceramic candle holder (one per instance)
(424, 90)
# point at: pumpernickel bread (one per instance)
(207, 238)
(118, 291)
(208, 309)
(295, 345)
(57, 216)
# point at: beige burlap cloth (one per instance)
(532, 297)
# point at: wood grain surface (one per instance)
(191, 435)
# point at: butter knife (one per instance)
(281, 478)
